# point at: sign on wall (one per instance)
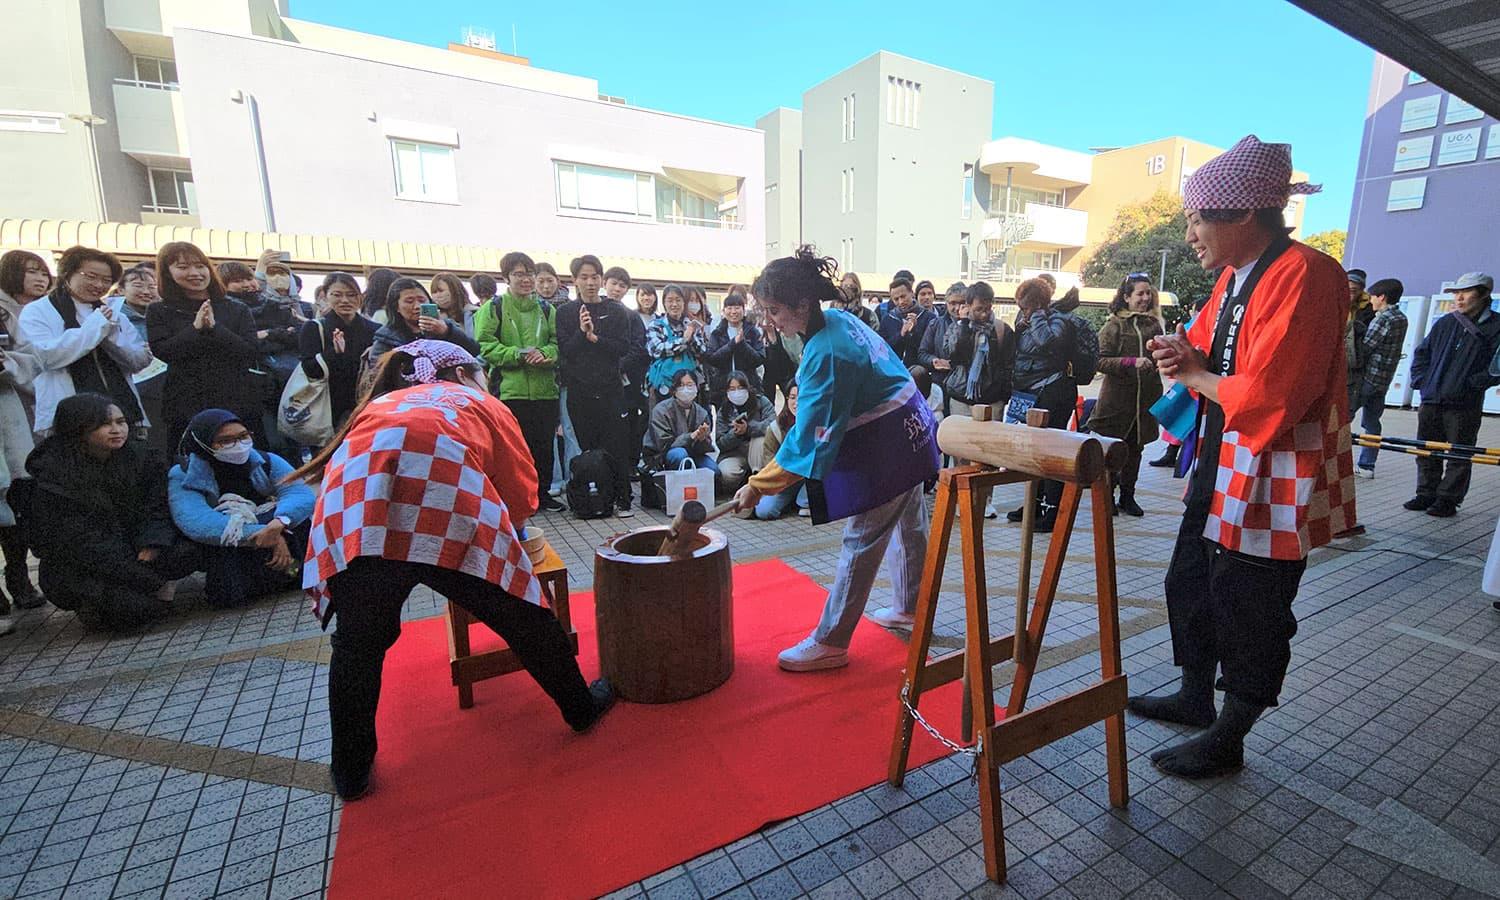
(1458, 147)
(1413, 153)
(1460, 110)
(1420, 112)
(1492, 147)
(1406, 193)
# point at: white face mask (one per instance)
(236, 454)
(687, 394)
(279, 282)
(695, 308)
(738, 396)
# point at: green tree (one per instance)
(1330, 242)
(1136, 239)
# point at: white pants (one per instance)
(866, 537)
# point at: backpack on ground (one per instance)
(1083, 355)
(591, 485)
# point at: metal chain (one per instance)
(937, 735)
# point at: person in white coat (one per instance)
(81, 342)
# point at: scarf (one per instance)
(96, 371)
(983, 334)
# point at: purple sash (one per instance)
(879, 459)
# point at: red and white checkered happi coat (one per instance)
(1285, 480)
(1286, 500)
(412, 481)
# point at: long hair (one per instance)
(168, 287)
(786, 418)
(390, 375)
(1127, 287)
(803, 280)
(455, 286)
(376, 285)
(393, 294)
(13, 271)
(107, 484)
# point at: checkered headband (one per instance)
(432, 357)
(1249, 175)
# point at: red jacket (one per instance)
(437, 474)
(1286, 471)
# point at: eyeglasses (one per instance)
(1145, 276)
(105, 280)
(231, 440)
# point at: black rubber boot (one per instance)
(1217, 751)
(1127, 504)
(17, 575)
(1193, 704)
(1167, 459)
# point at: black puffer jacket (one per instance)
(206, 369)
(1042, 349)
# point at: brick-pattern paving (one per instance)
(190, 760)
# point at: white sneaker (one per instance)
(624, 512)
(809, 656)
(989, 511)
(1362, 472)
(891, 617)
(7, 624)
(804, 512)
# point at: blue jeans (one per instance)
(570, 445)
(1371, 406)
(676, 455)
(903, 521)
(774, 506)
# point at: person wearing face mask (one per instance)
(452, 299)
(206, 338)
(734, 345)
(230, 499)
(743, 418)
(99, 519)
(676, 343)
(1131, 383)
(697, 307)
(774, 506)
(81, 342)
(461, 538)
(681, 428)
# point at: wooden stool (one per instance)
(1011, 454)
(469, 667)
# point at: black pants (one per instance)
(367, 599)
(120, 594)
(601, 422)
(1234, 610)
(538, 421)
(1131, 473)
(641, 401)
(234, 576)
(1452, 425)
(1060, 400)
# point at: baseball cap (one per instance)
(1472, 279)
(1357, 276)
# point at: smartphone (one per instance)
(284, 255)
(4, 340)
(430, 310)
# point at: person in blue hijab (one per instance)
(864, 441)
(228, 497)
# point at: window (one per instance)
(597, 189)
(172, 192)
(680, 206)
(1037, 260)
(968, 186)
(846, 185)
(848, 120)
(846, 254)
(151, 71)
(1019, 197)
(424, 172)
(24, 120)
(903, 101)
(963, 254)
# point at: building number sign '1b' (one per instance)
(1156, 165)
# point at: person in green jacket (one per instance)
(517, 338)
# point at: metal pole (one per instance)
(1161, 283)
(1005, 242)
(260, 161)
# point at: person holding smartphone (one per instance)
(743, 419)
(411, 314)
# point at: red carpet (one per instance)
(504, 800)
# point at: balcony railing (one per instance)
(153, 85)
(724, 224)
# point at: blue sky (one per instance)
(1076, 73)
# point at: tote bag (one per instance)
(687, 482)
(305, 413)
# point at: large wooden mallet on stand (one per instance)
(684, 528)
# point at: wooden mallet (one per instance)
(690, 517)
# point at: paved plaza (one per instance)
(191, 760)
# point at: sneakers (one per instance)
(990, 512)
(1418, 503)
(1362, 472)
(809, 656)
(550, 504)
(7, 624)
(804, 512)
(624, 511)
(891, 617)
(1443, 509)
(1015, 515)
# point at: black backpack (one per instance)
(1083, 354)
(591, 485)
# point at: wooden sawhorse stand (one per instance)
(468, 667)
(1010, 454)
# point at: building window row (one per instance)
(1019, 197)
(968, 186)
(155, 72)
(903, 102)
(846, 192)
(640, 195)
(25, 120)
(172, 192)
(846, 254)
(847, 134)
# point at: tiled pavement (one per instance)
(191, 760)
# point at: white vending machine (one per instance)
(1416, 311)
